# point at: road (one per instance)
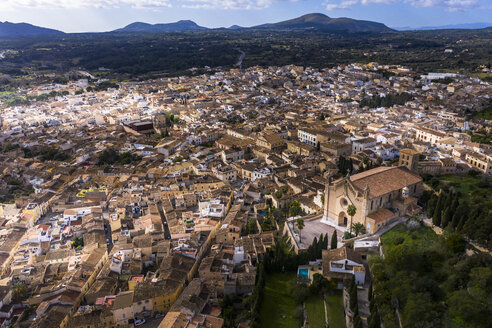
(151, 323)
(167, 232)
(240, 60)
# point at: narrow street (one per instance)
(167, 232)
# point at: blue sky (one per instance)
(104, 15)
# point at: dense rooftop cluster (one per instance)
(163, 196)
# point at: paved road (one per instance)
(240, 60)
(167, 232)
(151, 323)
(45, 219)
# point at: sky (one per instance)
(106, 15)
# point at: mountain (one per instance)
(182, 25)
(469, 26)
(323, 22)
(8, 29)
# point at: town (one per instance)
(256, 197)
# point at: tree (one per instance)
(455, 243)
(251, 227)
(320, 285)
(351, 210)
(325, 241)
(359, 228)
(369, 293)
(446, 217)
(357, 322)
(78, 242)
(19, 292)
(334, 241)
(419, 311)
(375, 320)
(300, 225)
(431, 205)
(301, 293)
(436, 216)
(294, 208)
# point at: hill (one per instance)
(182, 25)
(323, 22)
(8, 29)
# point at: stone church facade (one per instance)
(379, 195)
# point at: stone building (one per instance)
(379, 195)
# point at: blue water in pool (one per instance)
(304, 273)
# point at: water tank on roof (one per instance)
(405, 192)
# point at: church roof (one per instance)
(383, 180)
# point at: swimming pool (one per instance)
(303, 273)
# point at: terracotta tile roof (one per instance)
(381, 215)
(383, 180)
(343, 253)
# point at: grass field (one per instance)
(277, 309)
(420, 238)
(336, 314)
(315, 312)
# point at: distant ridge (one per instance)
(182, 25)
(8, 29)
(469, 26)
(323, 22)
(309, 21)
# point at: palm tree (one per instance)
(351, 210)
(359, 228)
(300, 226)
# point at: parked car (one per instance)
(139, 322)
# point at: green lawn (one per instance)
(336, 314)
(419, 238)
(277, 309)
(315, 312)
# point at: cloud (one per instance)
(226, 4)
(138, 4)
(77, 4)
(449, 5)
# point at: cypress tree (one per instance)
(357, 322)
(449, 200)
(455, 203)
(436, 216)
(462, 222)
(375, 321)
(470, 224)
(369, 293)
(431, 205)
(446, 217)
(334, 241)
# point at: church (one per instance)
(380, 195)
